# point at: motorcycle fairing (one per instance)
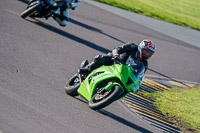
(123, 73)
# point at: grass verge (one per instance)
(183, 105)
(181, 12)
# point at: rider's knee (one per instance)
(97, 58)
(64, 23)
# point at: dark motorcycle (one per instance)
(37, 8)
(40, 9)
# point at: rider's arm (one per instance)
(124, 48)
(145, 65)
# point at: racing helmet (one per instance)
(146, 49)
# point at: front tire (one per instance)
(99, 101)
(72, 85)
(31, 10)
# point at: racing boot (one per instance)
(90, 67)
(84, 69)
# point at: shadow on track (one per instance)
(84, 25)
(81, 99)
(123, 121)
(70, 36)
(24, 1)
(167, 77)
(93, 29)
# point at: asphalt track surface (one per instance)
(38, 56)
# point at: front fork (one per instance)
(80, 78)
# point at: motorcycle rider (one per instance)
(62, 6)
(127, 53)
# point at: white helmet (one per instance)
(146, 49)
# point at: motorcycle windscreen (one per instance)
(138, 67)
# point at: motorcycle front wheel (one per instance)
(31, 10)
(104, 98)
(72, 85)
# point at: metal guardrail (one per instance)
(145, 108)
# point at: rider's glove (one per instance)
(116, 57)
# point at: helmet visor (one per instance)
(147, 53)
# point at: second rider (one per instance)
(61, 9)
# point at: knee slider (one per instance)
(97, 58)
(63, 24)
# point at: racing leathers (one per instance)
(63, 7)
(126, 53)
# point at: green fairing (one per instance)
(122, 72)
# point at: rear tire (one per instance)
(72, 85)
(113, 94)
(31, 10)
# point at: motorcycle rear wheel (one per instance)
(72, 85)
(31, 10)
(99, 101)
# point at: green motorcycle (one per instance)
(106, 84)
